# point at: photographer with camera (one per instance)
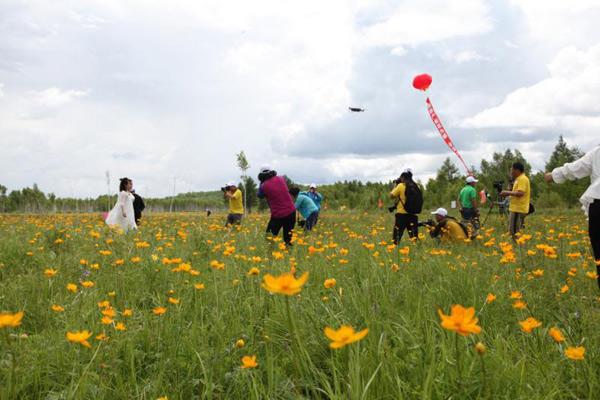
(316, 197)
(306, 207)
(446, 228)
(409, 203)
(274, 189)
(520, 199)
(236, 206)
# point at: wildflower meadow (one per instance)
(185, 308)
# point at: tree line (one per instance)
(354, 194)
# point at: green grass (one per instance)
(189, 352)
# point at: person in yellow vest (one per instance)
(236, 206)
(447, 228)
(520, 198)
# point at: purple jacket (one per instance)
(278, 197)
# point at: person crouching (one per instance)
(306, 207)
(447, 228)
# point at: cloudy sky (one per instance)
(159, 90)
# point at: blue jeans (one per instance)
(311, 221)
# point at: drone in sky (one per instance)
(356, 109)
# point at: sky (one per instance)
(167, 93)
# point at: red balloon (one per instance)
(422, 82)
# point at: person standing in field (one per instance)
(409, 203)
(138, 206)
(236, 206)
(588, 165)
(520, 199)
(316, 197)
(274, 189)
(122, 214)
(468, 206)
(306, 207)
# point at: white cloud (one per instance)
(568, 99)
(417, 22)
(465, 56)
(56, 97)
(1, 90)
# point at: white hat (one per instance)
(471, 179)
(265, 168)
(230, 184)
(442, 212)
(313, 186)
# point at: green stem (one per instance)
(458, 366)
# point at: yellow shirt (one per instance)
(235, 203)
(453, 232)
(399, 192)
(521, 204)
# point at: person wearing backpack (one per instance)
(447, 228)
(409, 203)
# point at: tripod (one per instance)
(502, 207)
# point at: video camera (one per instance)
(224, 189)
(499, 186)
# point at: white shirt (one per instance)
(588, 165)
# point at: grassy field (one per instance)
(172, 309)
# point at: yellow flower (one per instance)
(240, 343)
(344, 336)
(199, 286)
(163, 398)
(9, 320)
(556, 334)
(136, 259)
(575, 353)
(564, 289)
(329, 283)
(519, 304)
(107, 320)
(217, 265)
(49, 272)
(591, 275)
(159, 310)
(529, 324)
(128, 312)
(480, 348)
(87, 284)
(461, 320)
(80, 337)
(173, 300)
(490, 297)
(253, 271)
(57, 308)
(516, 295)
(120, 326)
(102, 337)
(249, 362)
(538, 273)
(285, 283)
(71, 287)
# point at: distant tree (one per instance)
(243, 165)
(250, 191)
(570, 191)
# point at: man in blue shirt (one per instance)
(306, 207)
(316, 197)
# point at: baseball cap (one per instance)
(230, 184)
(265, 168)
(313, 186)
(471, 179)
(441, 212)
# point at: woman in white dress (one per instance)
(122, 214)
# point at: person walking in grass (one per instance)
(586, 166)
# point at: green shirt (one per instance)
(467, 195)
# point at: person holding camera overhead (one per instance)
(520, 199)
(283, 213)
(409, 203)
(236, 206)
(588, 165)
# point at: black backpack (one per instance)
(414, 199)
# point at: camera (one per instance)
(498, 185)
(224, 189)
(392, 208)
(429, 222)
